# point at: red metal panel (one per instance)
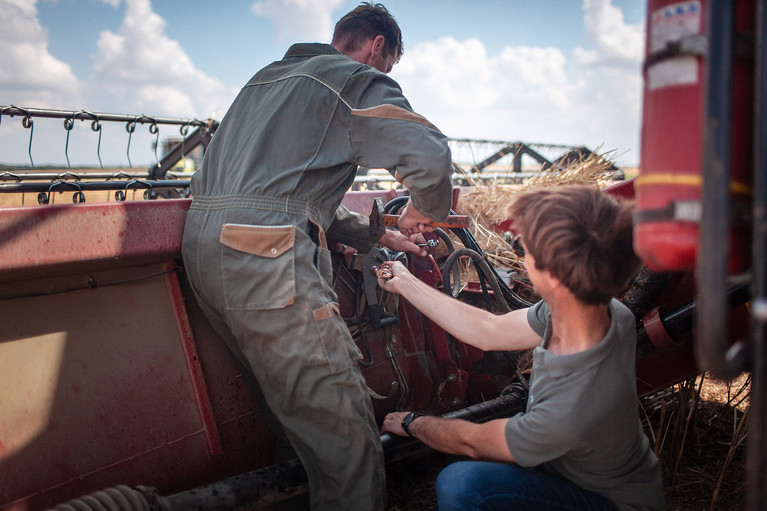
(95, 387)
(105, 378)
(41, 237)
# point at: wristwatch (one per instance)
(408, 419)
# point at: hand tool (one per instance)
(378, 219)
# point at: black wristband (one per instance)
(408, 419)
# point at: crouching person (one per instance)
(579, 444)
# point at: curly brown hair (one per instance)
(580, 235)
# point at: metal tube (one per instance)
(84, 115)
(679, 321)
(265, 485)
(397, 447)
(712, 254)
(84, 186)
(756, 458)
(19, 177)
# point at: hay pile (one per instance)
(698, 429)
(485, 204)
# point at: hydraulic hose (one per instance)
(512, 299)
(456, 271)
(119, 498)
(483, 269)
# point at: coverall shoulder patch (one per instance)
(393, 112)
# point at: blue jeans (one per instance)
(479, 485)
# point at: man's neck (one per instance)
(575, 326)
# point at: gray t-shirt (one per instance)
(581, 421)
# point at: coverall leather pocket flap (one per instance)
(261, 240)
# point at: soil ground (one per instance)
(708, 475)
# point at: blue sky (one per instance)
(545, 71)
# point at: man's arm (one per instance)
(353, 229)
(468, 324)
(386, 133)
(455, 436)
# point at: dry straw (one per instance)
(486, 202)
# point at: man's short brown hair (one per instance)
(366, 22)
(580, 235)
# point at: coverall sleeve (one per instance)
(353, 229)
(386, 133)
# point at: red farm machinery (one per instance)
(115, 390)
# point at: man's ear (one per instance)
(378, 45)
(552, 281)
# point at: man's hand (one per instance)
(412, 221)
(401, 243)
(392, 423)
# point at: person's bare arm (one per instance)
(468, 324)
(455, 436)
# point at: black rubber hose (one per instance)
(441, 234)
(508, 404)
(484, 271)
(512, 299)
(456, 271)
(119, 498)
(455, 287)
(394, 205)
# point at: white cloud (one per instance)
(589, 96)
(137, 70)
(299, 20)
(28, 72)
(144, 70)
(615, 42)
(469, 93)
(613, 68)
(453, 73)
(535, 94)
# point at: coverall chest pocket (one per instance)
(258, 266)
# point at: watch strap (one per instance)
(408, 419)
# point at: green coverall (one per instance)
(267, 194)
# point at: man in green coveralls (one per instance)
(266, 199)
(579, 444)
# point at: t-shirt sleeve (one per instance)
(540, 434)
(537, 317)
